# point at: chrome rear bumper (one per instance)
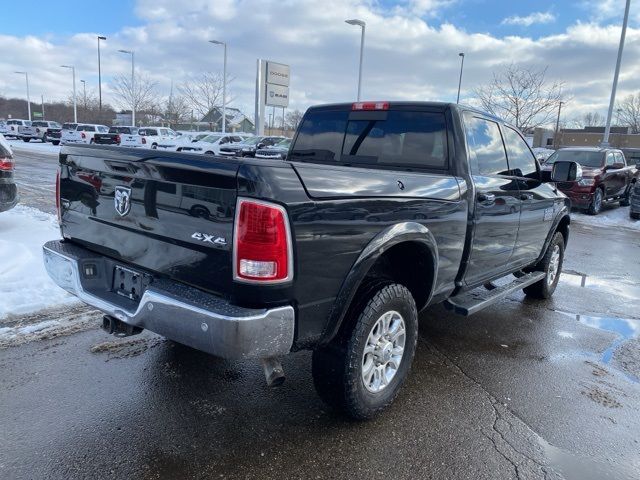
(179, 312)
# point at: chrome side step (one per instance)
(468, 303)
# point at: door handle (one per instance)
(486, 197)
(526, 196)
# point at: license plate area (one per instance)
(129, 283)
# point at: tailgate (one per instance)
(167, 213)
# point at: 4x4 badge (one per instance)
(122, 200)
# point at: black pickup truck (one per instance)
(380, 210)
(114, 135)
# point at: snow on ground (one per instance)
(34, 146)
(610, 216)
(25, 286)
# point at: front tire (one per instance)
(596, 203)
(55, 143)
(361, 372)
(551, 264)
(626, 200)
(27, 140)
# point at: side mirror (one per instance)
(566, 172)
(260, 145)
(616, 166)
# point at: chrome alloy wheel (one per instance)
(554, 265)
(383, 351)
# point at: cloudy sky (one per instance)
(411, 48)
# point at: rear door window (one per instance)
(486, 148)
(620, 158)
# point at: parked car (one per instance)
(38, 130)
(277, 151)
(65, 132)
(150, 137)
(605, 177)
(252, 279)
(83, 133)
(14, 127)
(3, 127)
(116, 135)
(248, 147)
(211, 144)
(183, 139)
(8, 188)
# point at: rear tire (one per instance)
(361, 371)
(596, 203)
(626, 200)
(55, 143)
(27, 140)
(634, 215)
(551, 264)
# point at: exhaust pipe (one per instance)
(273, 371)
(116, 327)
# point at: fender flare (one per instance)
(562, 214)
(382, 242)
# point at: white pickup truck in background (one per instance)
(15, 126)
(83, 133)
(38, 130)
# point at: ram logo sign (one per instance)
(122, 200)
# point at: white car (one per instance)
(38, 130)
(15, 126)
(151, 137)
(210, 145)
(183, 140)
(3, 127)
(83, 133)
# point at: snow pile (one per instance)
(25, 286)
(34, 146)
(608, 217)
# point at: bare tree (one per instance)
(203, 93)
(141, 96)
(629, 112)
(293, 119)
(521, 96)
(593, 119)
(176, 109)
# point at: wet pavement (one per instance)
(524, 389)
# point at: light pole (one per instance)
(555, 141)
(612, 100)
(84, 94)
(26, 77)
(100, 74)
(42, 98)
(133, 92)
(75, 101)
(362, 24)
(461, 55)
(224, 85)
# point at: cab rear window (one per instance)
(395, 138)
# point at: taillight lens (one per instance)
(117, 138)
(58, 197)
(6, 164)
(83, 135)
(144, 140)
(262, 243)
(37, 130)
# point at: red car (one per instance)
(605, 177)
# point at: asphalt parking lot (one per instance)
(524, 389)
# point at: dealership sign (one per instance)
(277, 85)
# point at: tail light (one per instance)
(117, 138)
(262, 243)
(58, 196)
(83, 135)
(370, 106)
(6, 164)
(37, 130)
(144, 140)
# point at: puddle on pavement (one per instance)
(625, 328)
(576, 467)
(613, 285)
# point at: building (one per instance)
(236, 120)
(619, 137)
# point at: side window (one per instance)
(522, 163)
(485, 147)
(620, 159)
(610, 159)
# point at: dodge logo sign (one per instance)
(122, 200)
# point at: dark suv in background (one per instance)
(605, 177)
(8, 189)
